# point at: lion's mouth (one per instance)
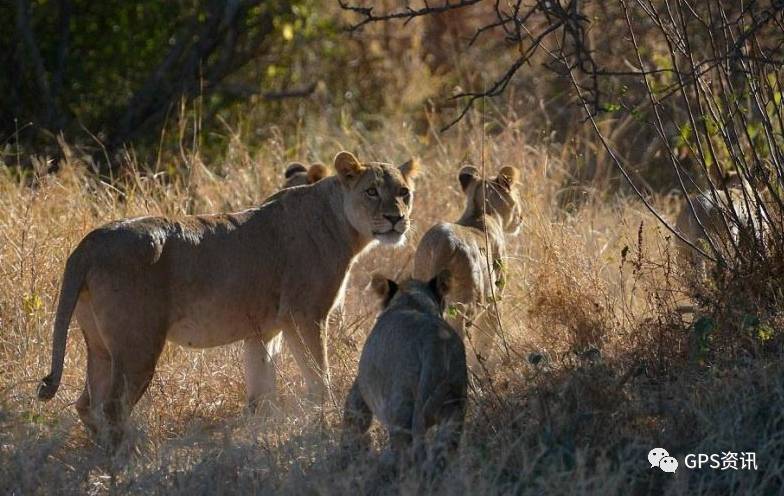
(390, 236)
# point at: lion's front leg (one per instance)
(307, 340)
(260, 358)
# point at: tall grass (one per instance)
(600, 366)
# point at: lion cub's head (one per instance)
(427, 297)
(499, 195)
(378, 197)
(298, 175)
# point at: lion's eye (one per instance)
(372, 192)
(404, 192)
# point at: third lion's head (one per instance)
(499, 194)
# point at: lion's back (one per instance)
(455, 248)
(402, 345)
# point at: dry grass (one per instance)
(590, 298)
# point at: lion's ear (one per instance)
(409, 169)
(348, 167)
(507, 176)
(316, 173)
(441, 284)
(294, 168)
(383, 287)
(467, 176)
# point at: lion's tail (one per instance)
(73, 279)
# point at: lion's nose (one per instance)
(393, 219)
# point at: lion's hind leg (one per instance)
(450, 429)
(131, 375)
(401, 434)
(96, 388)
(357, 418)
(134, 338)
(99, 368)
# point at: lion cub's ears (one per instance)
(294, 168)
(507, 177)
(316, 173)
(467, 176)
(409, 169)
(441, 284)
(348, 167)
(383, 287)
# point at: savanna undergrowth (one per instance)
(600, 362)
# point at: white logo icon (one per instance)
(658, 457)
(668, 464)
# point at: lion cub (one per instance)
(298, 175)
(412, 372)
(473, 250)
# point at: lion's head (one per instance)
(427, 297)
(499, 195)
(378, 197)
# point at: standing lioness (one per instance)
(473, 250)
(210, 280)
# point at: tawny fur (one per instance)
(298, 175)
(209, 280)
(473, 250)
(726, 221)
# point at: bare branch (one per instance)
(406, 15)
(496, 89)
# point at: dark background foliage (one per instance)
(117, 69)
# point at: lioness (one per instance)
(210, 280)
(473, 250)
(731, 217)
(412, 371)
(298, 175)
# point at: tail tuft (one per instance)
(47, 388)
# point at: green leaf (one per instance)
(765, 332)
(684, 134)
